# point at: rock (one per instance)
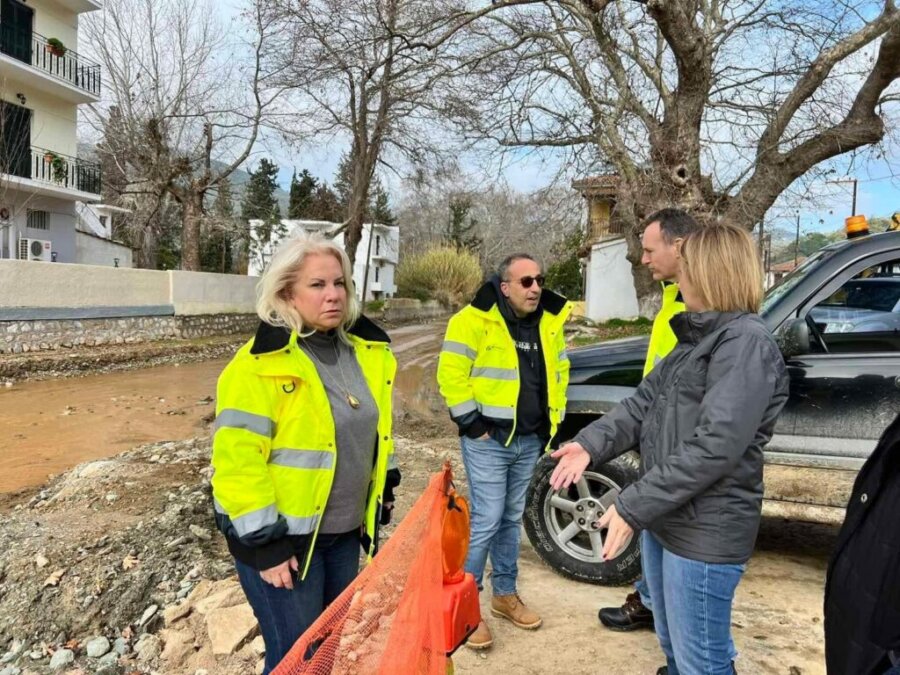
(120, 646)
(111, 497)
(11, 670)
(176, 612)
(97, 647)
(230, 627)
(200, 532)
(41, 561)
(148, 647)
(109, 660)
(148, 614)
(36, 655)
(228, 594)
(260, 667)
(179, 645)
(62, 658)
(258, 645)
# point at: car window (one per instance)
(863, 315)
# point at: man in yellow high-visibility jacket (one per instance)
(663, 233)
(503, 371)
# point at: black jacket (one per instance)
(862, 590)
(701, 417)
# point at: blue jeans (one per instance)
(284, 615)
(498, 480)
(691, 609)
(641, 587)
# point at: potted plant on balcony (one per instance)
(58, 166)
(56, 47)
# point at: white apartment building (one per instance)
(43, 80)
(376, 256)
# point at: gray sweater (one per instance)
(356, 430)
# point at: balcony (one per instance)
(53, 174)
(62, 73)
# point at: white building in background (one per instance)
(43, 80)
(608, 285)
(94, 243)
(378, 253)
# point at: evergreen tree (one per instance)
(381, 208)
(301, 196)
(460, 233)
(343, 184)
(259, 199)
(325, 205)
(220, 236)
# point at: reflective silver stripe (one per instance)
(238, 419)
(562, 415)
(656, 359)
(218, 507)
(563, 355)
(305, 525)
(392, 461)
(302, 459)
(497, 412)
(458, 348)
(255, 520)
(496, 373)
(462, 408)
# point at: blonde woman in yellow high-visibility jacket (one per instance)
(303, 451)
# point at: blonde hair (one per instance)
(722, 264)
(273, 292)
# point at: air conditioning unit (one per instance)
(35, 249)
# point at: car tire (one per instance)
(546, 525)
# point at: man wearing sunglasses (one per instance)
(503, 371)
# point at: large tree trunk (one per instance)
(192, 214)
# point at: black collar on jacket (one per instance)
(271, 338)
(486, 297)
(691, 327)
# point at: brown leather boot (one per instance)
(481, 638)
(512, 608)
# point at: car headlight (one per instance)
(838, 327)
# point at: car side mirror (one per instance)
(794, 338)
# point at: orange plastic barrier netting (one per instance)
(390, 619)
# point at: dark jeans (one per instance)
(284, 615)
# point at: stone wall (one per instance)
(22, 336)
(408, 309)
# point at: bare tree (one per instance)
(715, 105)
(370, 72)
(190, 100)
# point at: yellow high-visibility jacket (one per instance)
(478, 369)
(662, 337)
(274, 450)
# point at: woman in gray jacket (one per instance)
(701, 419)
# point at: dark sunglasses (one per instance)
(527, 281)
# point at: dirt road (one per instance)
(53, 425)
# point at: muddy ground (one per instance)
(152, 504)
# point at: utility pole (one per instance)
(853, 180)
(797, 243)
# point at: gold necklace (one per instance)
(352, 401)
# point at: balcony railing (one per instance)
(54, 168)
(33, 48)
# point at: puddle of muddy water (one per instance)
(52, 425)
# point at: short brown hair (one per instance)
(722, 264)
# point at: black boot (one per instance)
(633, 615)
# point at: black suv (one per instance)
(837, 320)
